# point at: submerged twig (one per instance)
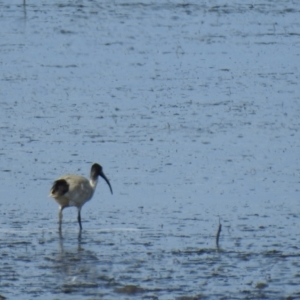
(24, 9)
(218, 234)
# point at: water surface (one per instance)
(192, 109)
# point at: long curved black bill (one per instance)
(107, 181)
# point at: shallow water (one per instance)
(193, 111)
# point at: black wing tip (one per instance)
(60, 187)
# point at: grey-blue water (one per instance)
(192, 109)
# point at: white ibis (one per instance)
(75, 190)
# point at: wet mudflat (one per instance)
(192, 109)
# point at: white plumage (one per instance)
(75, 190)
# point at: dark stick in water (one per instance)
(218, 234)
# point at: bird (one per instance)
(75, 190)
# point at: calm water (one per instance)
(193, 110)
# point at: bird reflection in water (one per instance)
(76, 266)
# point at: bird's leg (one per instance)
(60, 215)
(79, 218)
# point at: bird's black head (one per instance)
(96, 171)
